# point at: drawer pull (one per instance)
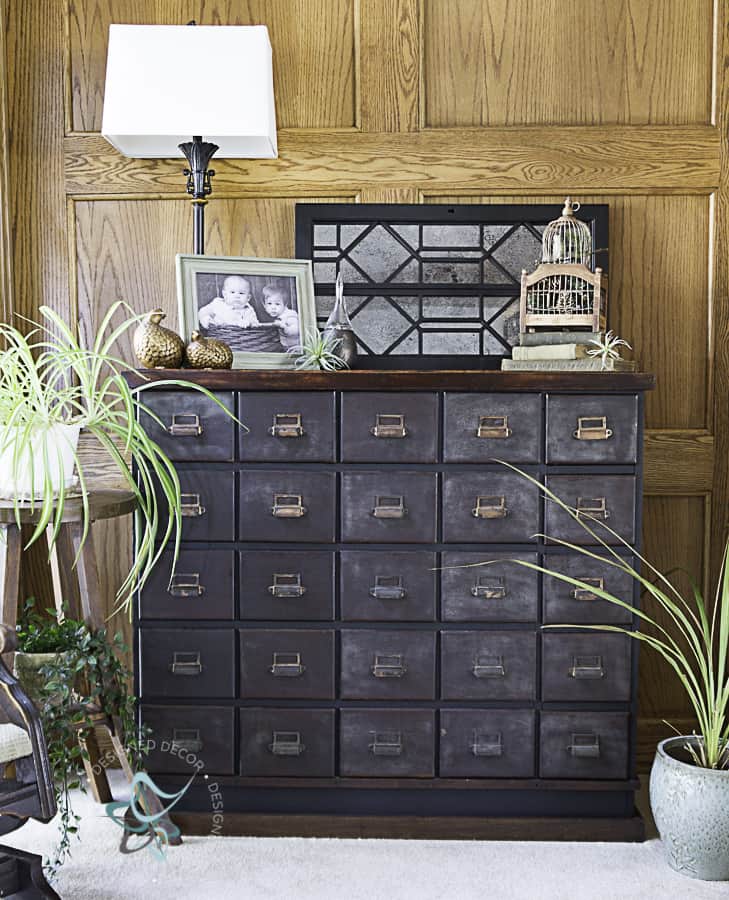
(585, 746)
(496, 427)
(287, 665)
(190, 506)
(286, 743)
(186, 663)
(490, 508)
(592, 428)
(389, 508)
(592, 508)
(583, 594)
(487, 744)
(386, 743)
(185, 425)
(589, 667)
(288, 506)
(489, 587)
(287, 425)
(388, 587)
(186, 585)
(287, 586)
(389, 665)
(487, 666)
(389, 426)
(187, 739)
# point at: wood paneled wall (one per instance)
(615, 101)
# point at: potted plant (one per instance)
(689, 782)
(40, 642)
(51, 387)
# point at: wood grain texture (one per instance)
(6, 256)
(615, 159)
(313, 52)
(390, 65)
(678, 462)
(511, 62)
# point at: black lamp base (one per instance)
(198, 154)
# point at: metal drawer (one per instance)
(295, 427)
(388, 586)
(488, 665)
(190, 740)
(201, 587)
(491, 507)
(387, 665)
(287, 584)
(608, 499)
(389, 507)
(182, 662)
(193, 427)
(595, 428)
(502, 592)
(287, 505)
(585, 667)
(384, 743)
(207, 505)
(287, 742)
(487, 743)
(389, 427)
(482, 427)
(583, 745)
(287, 664)
(564, 603)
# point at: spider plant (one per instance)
(695, 644)
(48, 378)
(318, 351)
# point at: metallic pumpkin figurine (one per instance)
(207, 353)
(155, 346)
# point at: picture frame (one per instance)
(260, 307)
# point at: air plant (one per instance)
(606, 349)
(318, 351)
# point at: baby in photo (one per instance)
(233, 308)
(285, 319)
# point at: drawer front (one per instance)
(387, 586)
(284, 664)
(389, 427)
(388, 665)
(182, 662)
(488, 665)
(383, 743)
(492, 507)
(296, 427)
(487, 743)
(201, 587)
(583, 745)
(207, 505)
(600, 498)
(483, 427)
(193, 427)
(189, 739)
(595, 428)
(564, 603)
(502, 592)
(585, 667)
(287, 742)
(287, 584)
(287, 505)
(389, 507)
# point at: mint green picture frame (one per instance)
(188, 266)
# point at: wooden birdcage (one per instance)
(563, 296)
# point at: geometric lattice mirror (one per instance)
(430, 286)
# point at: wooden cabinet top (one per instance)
(403, 380)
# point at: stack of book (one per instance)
(561, 351)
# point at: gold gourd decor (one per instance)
(207, 353)
(155, 346)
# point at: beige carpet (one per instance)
(210, 868)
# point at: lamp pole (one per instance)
(198, 154)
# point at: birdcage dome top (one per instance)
(567, 239)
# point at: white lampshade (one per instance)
(167, 83)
